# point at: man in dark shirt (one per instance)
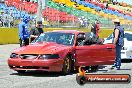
(95, 28)
(36, 31)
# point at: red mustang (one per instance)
(62, 50)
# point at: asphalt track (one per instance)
(11, 79)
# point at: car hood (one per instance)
(41, 48)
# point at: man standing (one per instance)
(36, 31)
(95, 28)
(119, 42)
(24, 33)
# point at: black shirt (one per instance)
(93, 28)
(36, 31)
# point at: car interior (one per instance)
(87, 39)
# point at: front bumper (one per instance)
(49, 65)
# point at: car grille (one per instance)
(28, 56)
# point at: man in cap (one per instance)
(24, 33)
(36, 31)
(118, 41)
(95, 28)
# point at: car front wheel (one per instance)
(67, 65)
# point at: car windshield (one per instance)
(57, 37)
(110, 37)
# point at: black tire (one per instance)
(67, 66)
(21, 71)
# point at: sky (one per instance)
(126, 1)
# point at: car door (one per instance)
(85, 55)
(91, 55)
(106, 54)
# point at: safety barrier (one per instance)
(10, 35)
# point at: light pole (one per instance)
(39, 11)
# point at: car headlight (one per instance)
(49, 56)
(14, 55)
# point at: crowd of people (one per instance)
(6, 20)
(10, 16)
(83, 22)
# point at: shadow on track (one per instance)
(41, 74)
(126, 60)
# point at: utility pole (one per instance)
(39, 10)
(41, 5)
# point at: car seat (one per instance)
(91, 38)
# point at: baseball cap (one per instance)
(39, 22)
(116, 20)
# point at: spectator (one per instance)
(1, 19)
(95, 28)
(107, 6)
(82, 21)
(5, 19)
(114, 2)
(36, 31)
(11, 18)
(11, 21)
(86, 22)
(24, 33)
(119, 42)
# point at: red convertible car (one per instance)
(62, 51)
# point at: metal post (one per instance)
(39, 10)
(58, 19)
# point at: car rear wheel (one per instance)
(67, 65)
(21, 71)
